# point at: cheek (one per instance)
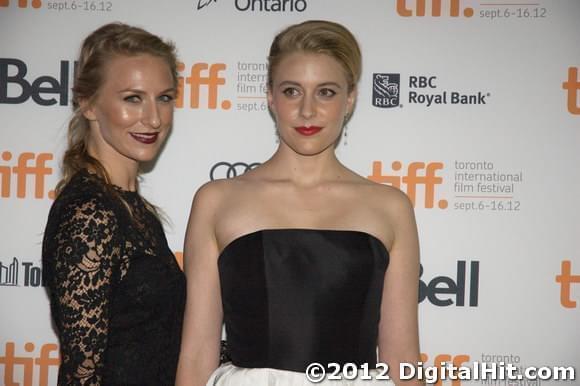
(338, 110)
(127, 115)
(284, 110)
(166, 113)
(116, 116)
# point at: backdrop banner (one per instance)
(470, 107)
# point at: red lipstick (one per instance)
(146, 138)
(307, 131)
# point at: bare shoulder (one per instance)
(211, 193)
(384, 197)
(392, 209)
(392, 199)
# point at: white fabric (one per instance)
(230, 375)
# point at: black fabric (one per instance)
(295, 296)
(117, 294)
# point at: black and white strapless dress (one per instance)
(292, 297)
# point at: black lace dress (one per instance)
(117, 294)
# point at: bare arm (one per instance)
(398, 329)
(202, 324)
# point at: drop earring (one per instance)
(345, 130)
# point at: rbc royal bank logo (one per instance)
(386, 88)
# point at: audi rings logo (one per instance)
(228, 170)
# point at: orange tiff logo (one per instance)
(202, 75)
(28, 164)
(442, 359)
(22, 3)
(572, 85)
(405, 8)
(566, 279)
(43, 362)
(412, 180)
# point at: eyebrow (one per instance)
(137, 91)
(293, 83)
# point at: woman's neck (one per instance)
(306, 170)
(121, 171)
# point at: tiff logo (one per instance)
(566, 279)
(429, 180)
(572, 85)
(22, 170)
(441, 360)
(405, 8)
(44, 362)
(201, 74)
(9, 273)
(22, 3)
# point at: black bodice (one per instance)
(117, 294)
(296, 296)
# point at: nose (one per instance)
(152, 116)
(308, 107)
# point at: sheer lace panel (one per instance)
(85, 259)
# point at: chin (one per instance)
(145, 157)
(309, 150)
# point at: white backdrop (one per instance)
(497, 180)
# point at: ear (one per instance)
(88, 110)
(351, 100)
(270, 99)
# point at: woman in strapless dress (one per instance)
(303, 260)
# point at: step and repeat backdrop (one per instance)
(471, 107)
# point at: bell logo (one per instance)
(201, 74)
(32, 88)
(566, 279)
(441, 290)
(23, 168)
(428, 180)
(22, 3)
(572, 85)
(420, 6)
(44, 362)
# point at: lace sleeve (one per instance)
(83, 260)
